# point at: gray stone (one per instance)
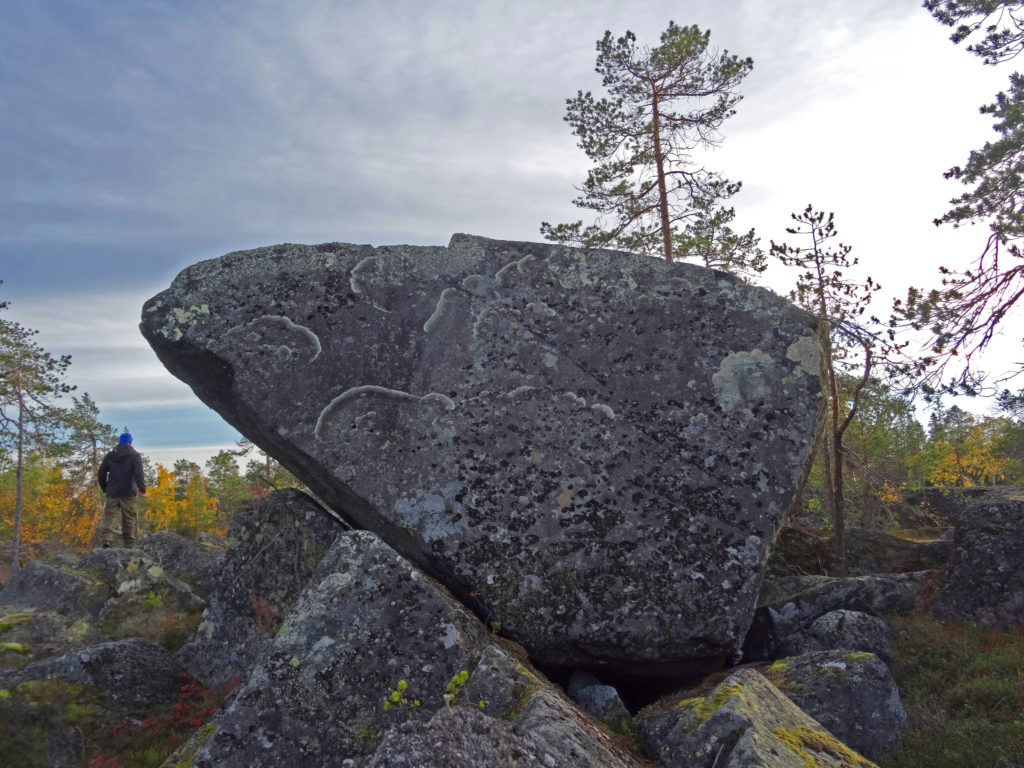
(501, 685)
(842, 630)
(599, 700)
(278, 544)
(572, 738)
(984, 581)
(459, 738)
(29, 634)
(147, 600)
(135, 675)
(372, 642)
(66, 591)
(197, 562)
(744, 723)
(547, 431)
(791, 604)
(852, 694)
(868, 551)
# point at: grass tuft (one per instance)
(963, 687)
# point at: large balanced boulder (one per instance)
(591, 449)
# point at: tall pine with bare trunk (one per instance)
(31, 382)
(824, 288)
(664, 106)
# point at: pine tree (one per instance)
(664, 105)
(824, 289)
(31, 383)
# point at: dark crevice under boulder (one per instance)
(592, 450)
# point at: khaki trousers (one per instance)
(125, 512)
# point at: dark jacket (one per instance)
(117, 471)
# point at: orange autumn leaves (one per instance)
(59, 509)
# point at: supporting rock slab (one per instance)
(746, 722)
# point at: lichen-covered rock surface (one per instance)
(843, 630)
(371, 643)
(135, 675)
(746, 722)
(852, 694)
(592, 448)
(459, 738)
(197, 562)
(984, 581)
(70, 591)
(277, 545)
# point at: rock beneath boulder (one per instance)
(842, 630)
(371, 643)
(501, 685)
(574, 740)
(197, 562)
(600, 701)
(791, 604)
(278, 544)
(63, 590)
(547, 431)
(459, 738)
(852, 694)
(984, 582)
(744, 723)
(135, 675)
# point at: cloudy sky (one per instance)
(140, 136)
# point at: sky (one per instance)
(140, 136)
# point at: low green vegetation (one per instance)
(45, 718)
(963, 687)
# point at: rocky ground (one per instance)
(349, 655)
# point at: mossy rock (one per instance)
(745, 721)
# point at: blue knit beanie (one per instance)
(126, 439)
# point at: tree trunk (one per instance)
(20, 475)
(659, 162)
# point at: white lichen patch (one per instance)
(806, 353)
(435, 515)
(744, 378)
(292, 327)
(355, 276)
(605, 409)
(514, 266)
(449, 636)
(540, 308)
(442, 303)
(518, 392)
(355, 393)
(575, 399)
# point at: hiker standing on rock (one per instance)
(119, 476)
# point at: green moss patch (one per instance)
(809, 744)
